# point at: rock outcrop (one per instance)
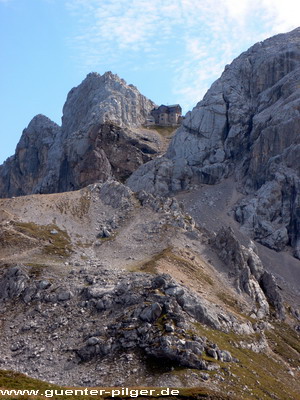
(101, 136)
(249, 274)
(125, 289)
(247, 125)
(33, 168)
(154, 315)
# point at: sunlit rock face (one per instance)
(101, 136)
(104, 98)
(247, 125)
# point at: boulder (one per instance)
(151, 313)
(13, 283)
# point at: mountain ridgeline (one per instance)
(98, 139)
(134, 257)
(246, 126)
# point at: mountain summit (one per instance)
(102, 99)
(101, 136)
(120, 284)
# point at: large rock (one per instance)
(247, 125)
(13, 283)
(101, 136)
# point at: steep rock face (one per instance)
(105, 150)
(33, 168)
(247, 124)
(249, 273)
(101, 136)
(104, 98)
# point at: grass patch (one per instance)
(14, 380)
(36, 269)
(230, 301)
(12, 239)
(256, 375)
(165, 131)
(194, 271)
(58, 243)
(150, 266)
(161, 321)
(285, 342)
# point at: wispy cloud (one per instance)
(194, 40)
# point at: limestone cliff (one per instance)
(35, 161)
(101, 136)
(247, 125)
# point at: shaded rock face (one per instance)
(106, 150)
(248, 125)
(101, 136)
(250, 276)
(33, 168)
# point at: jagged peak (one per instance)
(41, 120)
(99, 98)
(105, 80)
(40, 129)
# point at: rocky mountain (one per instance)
(184, 274)
(106, 287)
(101, 136)
(246, 126)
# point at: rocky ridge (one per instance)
(139, 312)
(124, 315)
(101, 136)
(247, 125)
(141, 287)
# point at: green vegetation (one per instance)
(285, 342)
(36, 269)
(257, 375)
(13, 380)
(150, 266)
(254, 376)
(165, 131)
(191, 270)
(230, 301)
(11, 239)
(57, 243)
(161, 321)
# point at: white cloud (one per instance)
(194, 39)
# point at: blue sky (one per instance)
(172, 50)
